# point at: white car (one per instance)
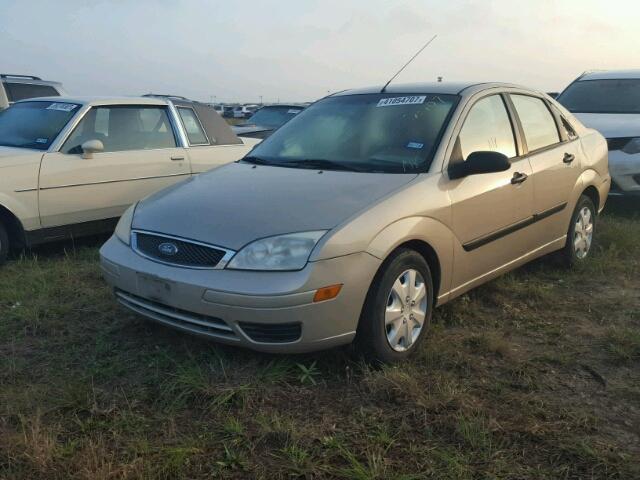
(609, 102)
(71, 166)
(244, 111)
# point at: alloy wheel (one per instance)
(583, 233)
(406, 310)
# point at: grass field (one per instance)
(535, 375)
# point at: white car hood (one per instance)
(612, 125)
(10, 156)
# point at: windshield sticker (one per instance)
(293, 111)
(416, 145)
(42, 140)
(62, 107)
(410, 100)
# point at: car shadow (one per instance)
(61, 248)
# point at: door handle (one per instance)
(568, 157)
(177, 158)
(518, 177)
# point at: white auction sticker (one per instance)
(62, 107)
(409, 100)
(293, 111)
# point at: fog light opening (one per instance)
(327, 293)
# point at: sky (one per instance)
(299, 50)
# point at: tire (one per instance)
(582, 227)
(381, 339)
(4, 244)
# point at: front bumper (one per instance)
(625, 172)
(266, 311)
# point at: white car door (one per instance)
(211, 141)
(140, 156)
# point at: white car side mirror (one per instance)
(90, 147)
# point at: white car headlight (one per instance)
(632, 147)
(282, 252)
(123, 229)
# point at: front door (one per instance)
(489, 211)
(140, 156)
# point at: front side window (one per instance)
(602, 96)
(369, 133)
(34, 124)
(192, 126)
(539, 126)
(122, 128)
(24, 91)
(487, 128)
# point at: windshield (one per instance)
(369, 133)
(602, 96)
(274, 116)
(34, 124)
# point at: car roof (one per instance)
(449, 88)
(610, 74)
(101, 100)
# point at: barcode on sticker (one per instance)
(62, 107)
(408, 100)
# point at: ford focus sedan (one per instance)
(360, 215)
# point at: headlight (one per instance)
(283, 252)
(123, 229)
(632, 147)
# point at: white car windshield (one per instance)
(34, 124)
(602, 96)
(386, 133)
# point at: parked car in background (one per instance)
(20, 87)
(267, 119)
(357, 217)
(244, 111)
(227, 111)
(219, 109)
(71, 166)
(609, 101)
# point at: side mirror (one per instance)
(90, 147)
(480, 162)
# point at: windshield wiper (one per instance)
(255, 160)
(320, 163)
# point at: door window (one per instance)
(487, 128)
(122, 128)
(192, 125)
(539, 127)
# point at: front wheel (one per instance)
(398, 308)
(4, 244)
(581, 230)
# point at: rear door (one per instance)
(553, 152)
(141, 156)
(212, 143)
(490, 211)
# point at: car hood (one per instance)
(238, 203)
(10, 156)
(612, 125)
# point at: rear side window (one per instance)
(540, 129)
(193, 127)
(23, 91)
(122, 128)
(487, 128)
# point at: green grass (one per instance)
(532, 376)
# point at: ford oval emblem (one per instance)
(168, 249)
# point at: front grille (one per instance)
(177, 252)
(176, 317)
(617, 143)
(272, 333)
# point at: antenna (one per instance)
(406, 64)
